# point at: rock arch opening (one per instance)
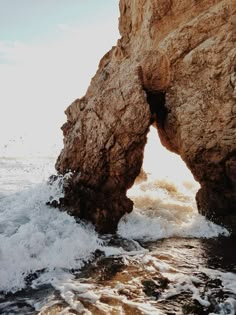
(164, 181)
(165, 185)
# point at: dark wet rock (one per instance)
(162, 282)
(102, 268)
(219, 253)
(55, 180)
(151, 289)
(126, 244)
(32, 276)
(109, 267)
(52, 179)
(194, 308)
(53, 203)
(154, 287)
(20, 302)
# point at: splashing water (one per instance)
(35, 237)
(51, 264)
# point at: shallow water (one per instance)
(165, 258)
(170, 276)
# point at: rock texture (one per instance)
(175, 64)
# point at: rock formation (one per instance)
(175, 64)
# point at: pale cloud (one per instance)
(11, 51)
(38, 81)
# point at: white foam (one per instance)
(145, 307)
(34, 236)
(228, 279)
(163, 209)
(141, 226)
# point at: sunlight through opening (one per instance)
(160, 163)
(165, 186)
(164, 199)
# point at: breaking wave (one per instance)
(40, 245)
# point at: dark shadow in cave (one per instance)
(157, 101)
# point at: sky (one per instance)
(49, 51)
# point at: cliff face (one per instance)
(174, 64)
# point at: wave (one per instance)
(36, 238)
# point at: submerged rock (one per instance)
(154, 287)
(175, 65)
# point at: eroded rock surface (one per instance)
(174, 63)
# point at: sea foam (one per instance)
(35, 237)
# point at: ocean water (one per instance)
(164, 259)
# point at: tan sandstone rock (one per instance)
(175, 64)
